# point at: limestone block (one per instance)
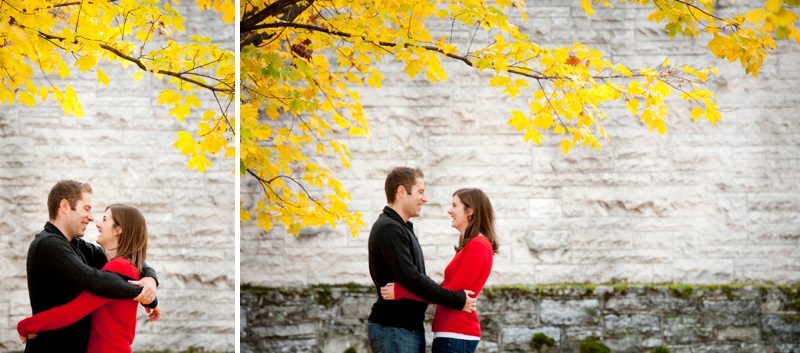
(738, 334)
(641, 256)
(593, 273)
(602, 239)
(686, 334)
(297, 331)
(541, 240)
(520, 337)
(338, 272)
(19, 303)
(509, 273)
(641, 159)
(621, 325)
(255, 272)
(183, 341)
(777, 328)
(579, 333)
(664, 303)
(466, 175)
(629, 343)
(570, 312)
(703, 271)
(523, 254)
(357, 307)
(626, 304)
(340, 343)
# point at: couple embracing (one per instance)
(85, 297)
(397, 267)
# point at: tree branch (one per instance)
(253, 18)
(141, 65)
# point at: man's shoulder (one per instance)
(45, 246)
(386, 225)
(47, 238)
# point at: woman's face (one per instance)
(109, 232)
(460, 216)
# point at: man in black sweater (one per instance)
(61, 265)
(396, 256)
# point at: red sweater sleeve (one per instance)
(69, 313)
(402, 293)
(62, 316)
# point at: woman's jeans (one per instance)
(453, 345)
(384, 339)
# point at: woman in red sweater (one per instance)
(123, 235)
(454, 330)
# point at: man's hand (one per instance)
(469, 306)
(25, 339)
(387, 291)
(148, 293)
(156, 314)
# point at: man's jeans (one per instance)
(384, 339)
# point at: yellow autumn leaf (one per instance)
(199, 162)
(86, 62)
(783, 18)
(185, 143)
(27, 99)
(169, 97)
(102, 77)
(180, 112)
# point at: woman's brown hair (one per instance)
(482, 219)
(132, 243)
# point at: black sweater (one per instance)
(395, 256)
(58, 271)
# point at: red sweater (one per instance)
(113, 320)
(469, 269)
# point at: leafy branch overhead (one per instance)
(303, 62)
(48, 37)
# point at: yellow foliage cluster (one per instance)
(44, 36)
(300, 62)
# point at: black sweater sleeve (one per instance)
(395, 246)
(59, 258)
(96, 257)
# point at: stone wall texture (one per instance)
(730, 319)
(123, 147)
(701, 204)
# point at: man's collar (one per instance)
(396, 216)
(50, 227)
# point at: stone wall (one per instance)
(636, 318)
(123, 147)
(701, 204)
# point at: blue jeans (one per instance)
(453, 345)
(384, 339)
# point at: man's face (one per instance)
(412, 204)
(78, 219)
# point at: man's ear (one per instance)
(63, 206)
(401, 192)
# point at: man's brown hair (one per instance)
(404, 176)
(132, 244)
(482, 219)
(69, 190)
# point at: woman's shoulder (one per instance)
(122, 266)
(480, 241)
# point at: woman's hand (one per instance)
(155, 314)
(25, 339)
(387, 291)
